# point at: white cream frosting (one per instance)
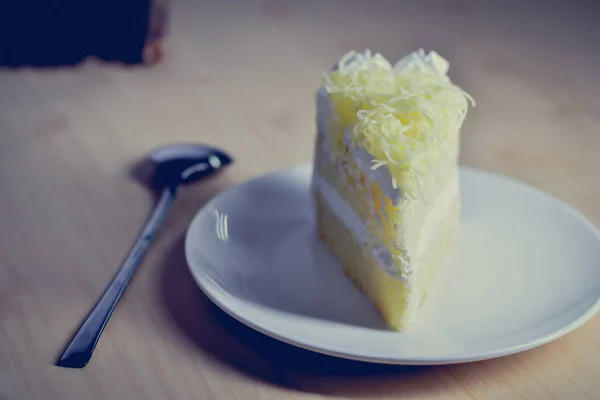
(363, 159)
(419, 60)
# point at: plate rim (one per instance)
(463, 357)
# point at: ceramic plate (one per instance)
(525, 271)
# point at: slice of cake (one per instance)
(386, 174)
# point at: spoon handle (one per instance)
(79, 351)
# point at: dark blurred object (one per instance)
(64, 32)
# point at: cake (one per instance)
(385, 179)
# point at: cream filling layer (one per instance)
(350, 218)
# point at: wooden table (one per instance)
(242, 75)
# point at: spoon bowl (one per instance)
(182, 164)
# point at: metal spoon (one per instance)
(175, 165)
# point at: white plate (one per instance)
(525, 271)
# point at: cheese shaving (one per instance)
(400, 114)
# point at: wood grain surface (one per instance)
(242, 75)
